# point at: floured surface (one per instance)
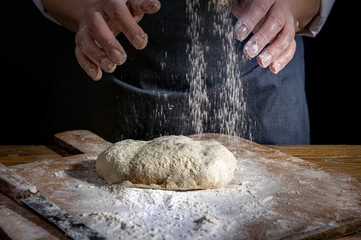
(273, 195)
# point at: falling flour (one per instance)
(198, 99)
(229, 105)
(215, 93)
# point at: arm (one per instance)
(96, 23)
(304, 11)
(273, 23)
(316, 24)
(67, 12)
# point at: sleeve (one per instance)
(315, 26)
(39, 4)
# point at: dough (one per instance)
(170, 162)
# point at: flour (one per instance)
(272, 196)
(135, 213)
(215, 93)
(198, 99)
(229, 106)
(121, 211)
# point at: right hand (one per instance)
(273, 25)
(96, 45)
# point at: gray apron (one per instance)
(152, 94)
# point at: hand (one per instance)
(96, 45)
(272, 23)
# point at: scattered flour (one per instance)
(270, 197)
(58, 174)
(121, 211)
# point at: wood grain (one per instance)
(81, 141)
(341, 158)
(14, 185)
(20, 154)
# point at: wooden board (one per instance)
(341, 158)
(308, 201)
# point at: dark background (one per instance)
(30, 43)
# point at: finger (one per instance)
(92, 51)
(104, 37)
(247, 22)
(238, 7)
(278, 46)
(138, 18)
(273, 24)
(120, 16)
(284, 59)
(89, 67)
(139, 7)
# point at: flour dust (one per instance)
(215, 99)
(228, 106)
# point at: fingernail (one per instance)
(276, 67)
(251, 49)
(94, 74)
(264, 59)
(137, 18)
(140, 41)
(119, 57)
(154, 6)
(240, 33)
(116, 55)
(112, 69)
(107, 65)
(123, 58)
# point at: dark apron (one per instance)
(150, 94)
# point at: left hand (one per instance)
(101, 20)
(272, 23)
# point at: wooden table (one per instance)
(341, 158)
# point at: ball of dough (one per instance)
(170, 162)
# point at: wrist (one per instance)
(68, 13)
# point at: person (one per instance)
(150, 92)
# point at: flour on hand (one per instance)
(169, 162)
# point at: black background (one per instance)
(30, 43)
